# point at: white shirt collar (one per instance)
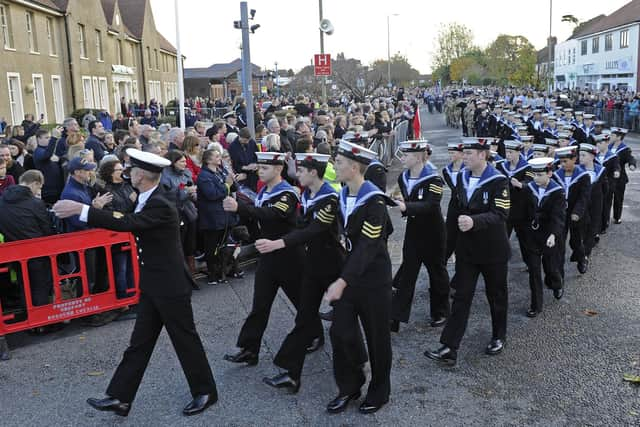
(143, 197)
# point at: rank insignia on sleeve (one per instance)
(283, 198)
(505, 193)
(118, 215)
(328, 208)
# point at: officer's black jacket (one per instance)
(522, 173)
(486, 242)
(157, 231)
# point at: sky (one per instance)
(289, 35)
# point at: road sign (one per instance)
(322, 64)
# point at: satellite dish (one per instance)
(326, 27)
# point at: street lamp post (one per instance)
(181, 115)
(247, 73)
(277, 82)
(389, 51)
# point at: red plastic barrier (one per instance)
(19, 253)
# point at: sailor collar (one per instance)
(282, 187)
(324, 192)
(522, 164)
(598, 169)
(578, 173)
(425, 174)
(366, 191)
(490, 174)
(552, 187)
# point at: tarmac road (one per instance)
(563, 368)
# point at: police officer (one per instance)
(317, 232)
(425, 237)
(545, 211)
(482, 248)
(362, 294)
(275, 210)
(165, 289)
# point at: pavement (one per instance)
(563, 368)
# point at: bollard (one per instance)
(4, 349)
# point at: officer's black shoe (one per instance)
(583, 265)
(326, 315)
(110, 404)
(283, 380)
(617, 221)
(394, 325)
(603, 231)
(495, 347)
(369, 408)
(200, 403)
(596, 238)
(444, 354)
(558, 293)
(532, 312)
(340, 403)
(243, 356)
(315, 344)
(438, 321)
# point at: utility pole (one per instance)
(246, 68)
(277, 82)
(549, 71)
(324, 78)
(180, 70)
(388, 55)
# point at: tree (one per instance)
(360, 80)
(401, 71)
(511, 59)
(453, 41)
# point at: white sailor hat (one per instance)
(588, 116)
(553, 142)
(552, 118)
(526, 138)
(513, 145)
(579, 113)
(544, 114)
(567, 152)
(540, 148)
(599, 123)
(567, 110)
(477, 143)
(415, 146)
(522, 129)
(602, 137)
(569, 127)
(564, 135)
(229, 114)
(270, 158)
(355, 152)
(312, 160)
(455, 146)
(619, 131)
(541, 164)
(147, 161)
(588, 148)
(537, 110)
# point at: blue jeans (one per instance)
(122, 271)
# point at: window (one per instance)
(5, 26)
(119, 52)
(133, 54)
(87, 92)
(83, 41)
(608, 42)
(149, 57)
(574, 55)
(58, 102)
(103, 93)
(51, 37)
(595, 44)
(155, 52)
(583, 47)
(15, 97)
(31, 33)
(99, 46)
(624, 39)
(38, 96)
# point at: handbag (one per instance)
(189, 211)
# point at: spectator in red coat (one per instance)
(6, 180)
(193, 152)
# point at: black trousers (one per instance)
(413, 257)
(212, 250)
(293, 350)
(495, 279)
(576, 233)
(371, 307)
(176, 315)
(281, 269)
(452, 232)
(593, 227)
(618, 198)
(606, 206)
(520, 228)
(541, 259)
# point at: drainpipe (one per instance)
(71, 62)
(144, 75)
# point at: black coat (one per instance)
(545, 215)
(577, 192)
(522, 172)
(377, 174)
(626, 158)
(487, 241)
(23, 216)
(156, 228)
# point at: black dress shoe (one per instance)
(532, 312)
(495, 347)
(369, 408)
(438, 321)
(315, 344)
(394, 326)
(558, 293)
(617, 221)
(340, 403)
(583, 265)
(110, 404)
(444, 354)
(326, 315)
(283, 380)
(200, 403)
(596, 238)
(243, 356)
